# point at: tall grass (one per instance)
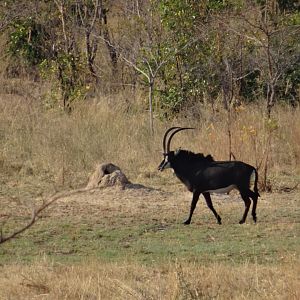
(62, 149)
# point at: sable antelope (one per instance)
(203, 175)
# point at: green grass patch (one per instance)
(67, 241)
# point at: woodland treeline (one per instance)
(181, 52)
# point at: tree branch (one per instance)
(36, 212)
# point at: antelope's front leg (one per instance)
(211, 207)
(195, 199)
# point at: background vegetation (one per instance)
(187, 51)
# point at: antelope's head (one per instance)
(169, 155)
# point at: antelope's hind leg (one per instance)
(211, 207)
(254, 197)
(245, 197)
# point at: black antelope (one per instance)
(203, 175)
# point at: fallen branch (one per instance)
(287, 189)
(37, 212)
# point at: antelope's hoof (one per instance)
(219, 221)
(187, 222)
(242, 222)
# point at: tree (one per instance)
(271, 47)
(88, 15)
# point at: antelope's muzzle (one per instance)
(164, 164)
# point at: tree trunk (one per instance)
(270, 98)
(151, 85)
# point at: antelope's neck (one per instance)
(184, 177)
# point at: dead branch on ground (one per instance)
(37, 211)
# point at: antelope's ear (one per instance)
(177, 151)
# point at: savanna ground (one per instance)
(130, 243)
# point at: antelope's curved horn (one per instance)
(173, 133)
(165, 137)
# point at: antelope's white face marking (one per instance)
(165, 164)
(223, 190)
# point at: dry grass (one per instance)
(93, 280)
(62, 150)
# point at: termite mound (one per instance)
(107, 175)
